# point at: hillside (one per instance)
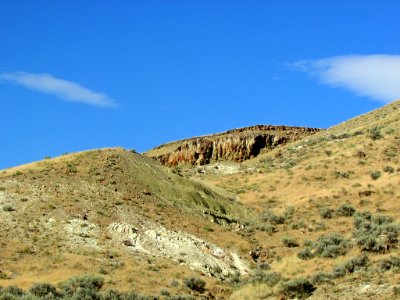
(119, 214)
(315, 216)
(330, 182)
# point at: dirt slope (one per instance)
(116, 213)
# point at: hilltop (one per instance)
(233, 145)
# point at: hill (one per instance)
(314, 216)
(338, 186)
(120, 214)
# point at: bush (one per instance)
(331, 245)
(375, 175)
(112, 294)
(345, 210)
(352, 265)
(298, 288)
(356, 263)
(264, 266)
(8, 208)
(269, 228)
(321, 277)
(270, 217)
(86, 294)
(12, 290)
(375, 233)
(361, 218)
(326, 213)
(375, 133)
(381, 219)
(393, 262)
(83, 286)
(195, 284)
(305, 254)
(44, 290)
(388, 169)
(289, 242)
(269, 278)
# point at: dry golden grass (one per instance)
(326, 170)
(104, 186)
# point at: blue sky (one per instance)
(77, 75)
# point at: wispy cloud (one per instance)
(373, 76)
(63, 89)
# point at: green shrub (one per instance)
(305, 254)
(339, 271)
(269, 228)
(234, 279)
(339, 174)
(381, 219)
(392, 262)
(83, 286)
(388, 169)
(375, 174)
(326, 212)
(298, 288)
(331, 245)
(8, 296)
(272, 278)
(44, 290)
(352, 265)
(8, 208)
(195, 284)
(86, 294)
(112, 294)
(289, 242)
(375, 233)
(345, 210)
(289, 213)
(270, 217)
(269, 278)
(375, 133)
(264, 266)
(320, 277)
(356, 263)
(165, 293)
(12, 290)
(308, 243)
(298, 225)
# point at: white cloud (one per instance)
(373, 76)
(63, 89)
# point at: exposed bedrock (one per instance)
(234, 145)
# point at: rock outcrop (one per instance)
(181, 247)
(233, 145)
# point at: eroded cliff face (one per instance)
(234, 145)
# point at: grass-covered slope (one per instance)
(327, 201)
(118, 214)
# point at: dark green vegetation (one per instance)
(87, 288)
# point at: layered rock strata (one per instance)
(233, 145)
